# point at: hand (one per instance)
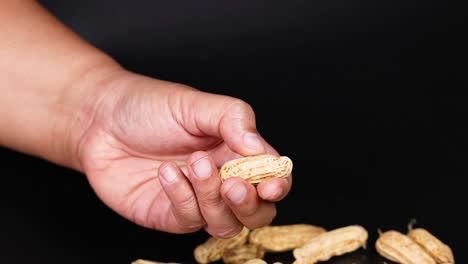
(153, 150)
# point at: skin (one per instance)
(151, 149)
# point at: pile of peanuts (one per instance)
(310, 244)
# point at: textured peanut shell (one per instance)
(284, 238)
(439, 251)
(142, 261)
(255, 169)
(256, 261)
(399, 248)
(212, 250)
(240, 255)
(333, 243)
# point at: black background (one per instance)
(364, 96)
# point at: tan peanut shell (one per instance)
(256, 261)
(255, 169)
(239, 255)
(142, 261)
(399, 248)
(212, 250)
(284, 238)
(333, 243)
(439, 251)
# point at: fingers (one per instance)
(184, 204)
(243, 200)
(221, 222)
(223, 154)
(233, 120)
(238, 129)
(274, 189)
(201, 200)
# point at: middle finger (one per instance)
(206, 183)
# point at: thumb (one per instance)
(230, 119)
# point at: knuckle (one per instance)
(193, 227)
(240, 108)
(187, 203)
(241, 104)
(187, 213)
(211, 199)
(189, 223)
(244, 106)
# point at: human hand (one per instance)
(152, 153)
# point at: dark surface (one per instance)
(360, 95)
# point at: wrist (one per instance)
(77, 107)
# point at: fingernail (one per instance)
(272, 190)
(169, 174)
(237, 193)
(202, 168)
(252, 141)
